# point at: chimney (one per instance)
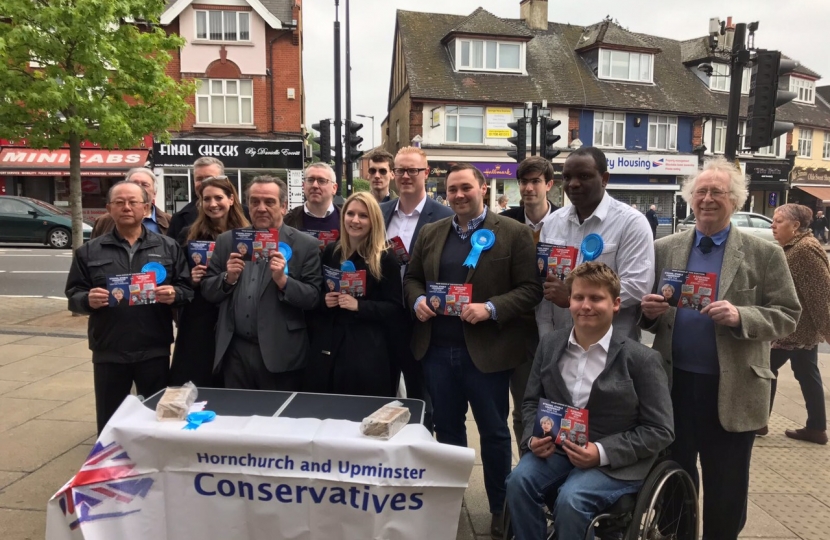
(729, 36)
(534, 13)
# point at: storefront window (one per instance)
(93, 193)
(249, 175)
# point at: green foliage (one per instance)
(359, 184)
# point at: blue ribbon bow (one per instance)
(286, 251)
(196, 419)
(591, 248)
(482, 239)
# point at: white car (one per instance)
(755, 224)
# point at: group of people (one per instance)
(703, 390)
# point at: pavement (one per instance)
(47, 428)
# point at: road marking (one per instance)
(39, 271)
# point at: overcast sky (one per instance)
(802, 33)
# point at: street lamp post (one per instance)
(372, 118)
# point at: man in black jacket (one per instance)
(129, 343)
(653, 222)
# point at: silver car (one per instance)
(748, 222)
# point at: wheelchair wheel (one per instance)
(666, 506)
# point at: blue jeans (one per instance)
(583, 493)
(452, 381)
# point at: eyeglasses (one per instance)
(373, 170)
(535, 181)
(318, 181)
(120, 203)
(411, 172)
(715, 193)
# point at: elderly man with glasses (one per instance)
(319, 214)
(155, 219)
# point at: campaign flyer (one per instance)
(199, 252)
(400, 250)
(691, 290)
(255, 245)
(554, 260)
(325, 237)
(449, 298)
(351, 283)
(132, 289)
(561, 422)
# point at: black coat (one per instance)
(351, 352)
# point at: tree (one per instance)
(94, 70)
(358, 184)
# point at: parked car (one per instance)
(23, 219)
(755, 224)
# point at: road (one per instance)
(33, 270)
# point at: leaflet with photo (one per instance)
(554, 260)
(400, 250)
(686, 289)
(132, 289)
(255, 245)
(562, 422)
(199, 252)
(351, 283)
(449, 298)
(325, 237)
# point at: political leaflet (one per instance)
(325, 237)
(685, 289)
(554, 260)
(351, 283)
(132, 289)
(561, 422)
(400, 250)
(255, 245)
(199, 252)
(449, 298)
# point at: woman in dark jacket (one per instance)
(220, 210)
(351, 349)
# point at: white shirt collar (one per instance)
(604, 342)
(537, 226)
(601, 211)
(416, 212)
(329, 211)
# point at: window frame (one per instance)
(805, 143)
(238, 28)
(458, 115)
(825, 154)
(671, 125)
(224, 95)
(719, 125)
(457, 54)
(610, 53)
(723, 72)
(616, 122)
(800, 85)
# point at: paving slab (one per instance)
(17, 411)
(465, 528)
(9, 338)
(23, 524)
(475, 500)
(64, 386)
(8, 477)
(8, 386)
(759, 524)
(29, 446)
(79, 349)
(13, 352)
(81, 409)
(803, 514)
(35, 368)
(34, 490)
(49, 341)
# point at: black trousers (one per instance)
(724, 456)
(113, 383)
(805, 368)
(244, 368)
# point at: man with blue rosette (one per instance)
(130, 344)
(468, 358)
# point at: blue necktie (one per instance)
(706, 245)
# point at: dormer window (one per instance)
(721, 79)
(487, 55)
(223, 25)
(625, 66)
(806, 90)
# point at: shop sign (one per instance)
(767, 172)
(497, 120)
(652, 164)
(498, 171)
(234, 154)
(39, 162)
(811, 176)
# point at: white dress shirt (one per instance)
(403, 224)
(580, 368)
(628, 250)
(329, 211)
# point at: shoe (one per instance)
(763, 431)
(497, 526)
(806, 434)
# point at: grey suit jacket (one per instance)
(629, 409)
(281, 323)
(755, 279)
(432, 213)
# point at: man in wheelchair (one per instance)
(624, 387)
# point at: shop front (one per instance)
(244, 159)
(768, 185)
(811, 187)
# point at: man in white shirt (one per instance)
(625, 389)
(319, 213)
(404, 218)
(627, 243)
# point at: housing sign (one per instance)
(652, 164)
(261, 478)
(497, 120)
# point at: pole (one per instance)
(349, 180)
(534, 121)
(337, 142)
(739, 60)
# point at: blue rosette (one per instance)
(482, 240)
(591, 248)
(347, 266)
(196, 419)
(158, 268)
(286, 251)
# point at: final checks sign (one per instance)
(497, 120)
(259, 478)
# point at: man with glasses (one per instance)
(204, 167)
(156, 220)
(719, 356)
(319, 213)
(404, 219)
(130, 344)
(381, 164)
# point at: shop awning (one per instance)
(41, 162)
(820, 193)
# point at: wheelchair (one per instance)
(664, 509)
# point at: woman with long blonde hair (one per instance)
(352, 352)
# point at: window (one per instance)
(662, 132)
(609, 130)
(10, 206)
(805, 142)
(625, 66)
(720, 137)
(223, 25)
(722, 80)
(225, 101)
(465, 124)
(739, 220)
(825, 154)
(804, 88)
(759, 223)
(771, 150)
(487, 55)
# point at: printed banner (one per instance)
(561, 422)
(449, 298)
(554, 260)
(261, 478)
(199, 252)
(684, 289)
(351, 283)
(325, 237)
(132, 289)
(255, 245)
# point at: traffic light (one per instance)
(765, 97)
(353, 140)
(519, 140)
(323, 153)
(548, 138)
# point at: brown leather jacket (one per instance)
(105, 224)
